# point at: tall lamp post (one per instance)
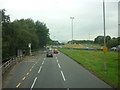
(104, 49)
(72, 27)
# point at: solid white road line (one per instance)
(33, 83)
(42, 62)
(39, 69)
(63, 76)
(59, 65)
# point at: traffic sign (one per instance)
(105, 49)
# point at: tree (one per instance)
(42, 32)
(100, 39)
(114, 42)
(108, 38)
(19, 33)
(5, 18)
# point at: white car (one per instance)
(114, 48)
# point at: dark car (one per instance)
(49, 53)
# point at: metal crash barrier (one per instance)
(5, 66)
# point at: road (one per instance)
(60, 71)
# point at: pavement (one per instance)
(58, 71)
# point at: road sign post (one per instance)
(29, 45)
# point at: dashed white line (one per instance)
(39, 69)
(59, 65)
(63, 76)
(67, 88)
(33, 83)
(44, 58)
(57, 60)
(0, 66)
(18, 85)
(56, 57)
(43, 62)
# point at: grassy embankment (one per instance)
(93, 60)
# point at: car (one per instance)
(55, 51)
(88, 48)
(49, 53)
(114, 48)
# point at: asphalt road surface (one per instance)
(60, 71)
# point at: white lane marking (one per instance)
(33, 83)
(44, 58)
(44, 51)
(43, 62)
(63, 76)
(0, 66)
(56, 57)
(57, 60)
(39, 69)
(59, 65)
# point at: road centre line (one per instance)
(23, 78)
(27, 73)
(56, 57)
(33, 83)
(39, 69)
(67, 88)
(42, 62)
(0, 66)
(59, 65)
(57, 60)
(44, 58)
(32, 66)
(30, 70)
(18, 85)
(63, 76)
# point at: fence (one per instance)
(9, 63)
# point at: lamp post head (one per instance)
(71, 17)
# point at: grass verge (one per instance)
(94, 61)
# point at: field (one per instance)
(94, 61)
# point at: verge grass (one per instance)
(94, 61)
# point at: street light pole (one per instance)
(72, 27)
(104, 35)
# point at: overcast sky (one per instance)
(88, 22)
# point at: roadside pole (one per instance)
(0, 49)
(104, 48)
(72, 27)
(29, 45)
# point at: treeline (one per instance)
(110, 42)
(19, 33)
